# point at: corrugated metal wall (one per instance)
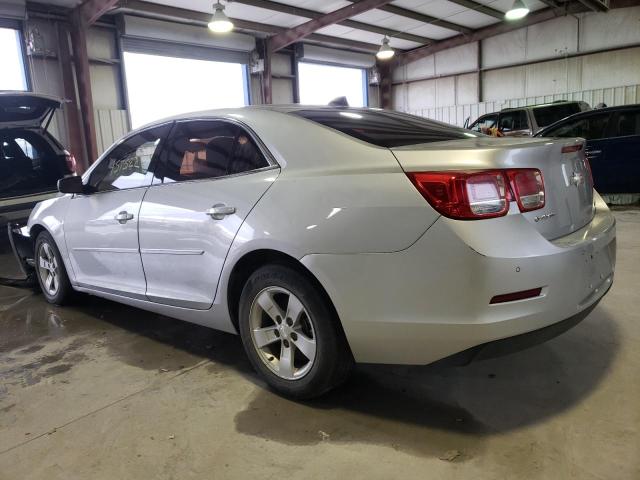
(457, 114)
(110, 126)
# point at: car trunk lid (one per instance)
(26, 110)
(568, 185)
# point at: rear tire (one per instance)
(291, 334)
(50, 271)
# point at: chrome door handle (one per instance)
(593, 152)
(124, 216)
(220, 210)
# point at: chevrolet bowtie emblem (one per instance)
(576, 179)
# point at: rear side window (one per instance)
(627, 124)
(513, 120)
(552, 113)
(591, 127)
(384, 128)
(28, 164)
(209, 149)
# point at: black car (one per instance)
(613, 145)
(32, 161)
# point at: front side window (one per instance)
(209, 149)
(514, 120)
(627, 124)
(28, 164)
(129, 164)
(483, 124)
(591, 127)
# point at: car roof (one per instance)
(595, 111)
(542, 105)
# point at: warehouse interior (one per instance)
(103, 390)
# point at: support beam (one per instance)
(71, 111)
(478, 7)
(294, 34)
(490, 31)
(92, 10)
(421, 17)
(303, 12)
(385, 86)
(83, 79)
(156, 11)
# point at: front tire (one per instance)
(50, 271)
(291, 334)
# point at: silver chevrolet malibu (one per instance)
(326, 236)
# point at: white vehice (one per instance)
(327, 236)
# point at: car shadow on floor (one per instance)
(432, 410)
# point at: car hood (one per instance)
(25, 109)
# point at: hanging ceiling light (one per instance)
(517, 11)
(220, 23)
(385, 52)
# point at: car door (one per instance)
(212, 174)
(484, 123)
(623, 152)
(101, 226)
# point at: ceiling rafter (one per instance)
(421, 17)
(303, 12)
(478, 7)
(156, 11)
(486, 32)
(295, 34)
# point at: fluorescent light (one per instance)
(517, 11)
(385, 52)
(220, 23)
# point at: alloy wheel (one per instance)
(48, 269)
(282, 333)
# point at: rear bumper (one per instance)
(432, 300)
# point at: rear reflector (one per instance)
(472, 195)
(512, 297)
(528, 188)
(572, 148)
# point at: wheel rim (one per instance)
(48, 269)
(282, 333)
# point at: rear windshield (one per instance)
(552, 113)
(385, 128)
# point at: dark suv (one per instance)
(31, 161)
(526, 121)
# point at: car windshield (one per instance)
(28, 164)
(385, 128)
(552, 113)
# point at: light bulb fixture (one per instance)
(220, 23)
(517, 11)
(385, 52)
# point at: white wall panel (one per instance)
(459, 59)
(467, 89)
(445, 91)
(504, 83)
(422, 94)
(617, 27)
(504, 49)
(610, 69)
(552, 39)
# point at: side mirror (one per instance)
(71, 185)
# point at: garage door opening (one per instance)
(13, 74)
(319, 84)
(159, 86)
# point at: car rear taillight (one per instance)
(71, 161)
(528, 188)
(472, 195)
(464, 195)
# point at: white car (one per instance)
(328, 235)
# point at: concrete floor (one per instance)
(101, 390)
